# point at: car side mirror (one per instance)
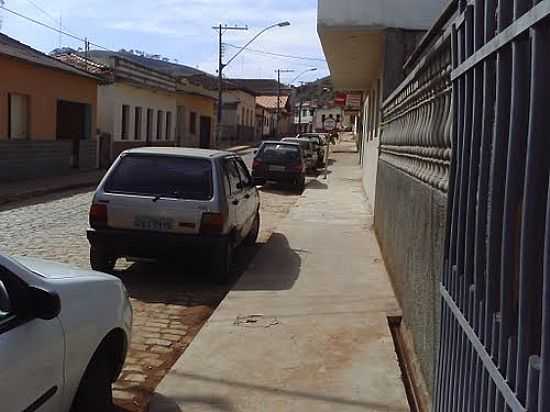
(46, 305)
(259, 181)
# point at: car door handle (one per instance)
(236, 202)
(247, 196)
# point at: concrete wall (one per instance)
(31, 159)
(410, 221)
(370, 169)
(44, 86)
(377, 14)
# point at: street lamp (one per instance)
(222, 65)
(313, 69)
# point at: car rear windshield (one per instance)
(280, 153)
(163, 176)
(303, 143)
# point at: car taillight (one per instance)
(295, 168)
(212, 223)
(257, 163)
(98, 215)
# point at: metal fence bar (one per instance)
(497, 378)
(488, 116)
(465, 91)
(478, 381)
(496, 187)
(453, 207)
(469, 364)
(496, 179)
(538, 13)
(544, 401)
(512, 223)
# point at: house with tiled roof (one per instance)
(48, 112)
(276, 114)
(136, 104)
(147, 101)
(195, 95)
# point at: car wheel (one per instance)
(94, 392)
(252, 237)
(222, 262)
(301, 186)
(100, 260)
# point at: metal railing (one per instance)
(495, 327)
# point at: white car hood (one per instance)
(54, 270)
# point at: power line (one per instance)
(47, 26)
(44, 12)
(277, 54)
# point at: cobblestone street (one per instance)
(171, 301)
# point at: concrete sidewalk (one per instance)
(305, 328)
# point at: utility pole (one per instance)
(221, 30)
(279, 71)
(300, 92)
(300, 115)
(86, 52)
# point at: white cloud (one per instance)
(182, 29)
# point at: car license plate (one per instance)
(277, 168)
(159, 224)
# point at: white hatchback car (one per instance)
(64, 334)
(311, 155)
(170, 202)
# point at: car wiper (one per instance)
(175, 194)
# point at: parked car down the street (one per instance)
(281, 162)
(174, 203)
(64, 335)
(310, 153)
(319, 144)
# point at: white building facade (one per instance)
(304, 113)
(137, 108)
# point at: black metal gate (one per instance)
(495, 330)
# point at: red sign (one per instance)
(340, 99)
(353, 101)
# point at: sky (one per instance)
(180, 30)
